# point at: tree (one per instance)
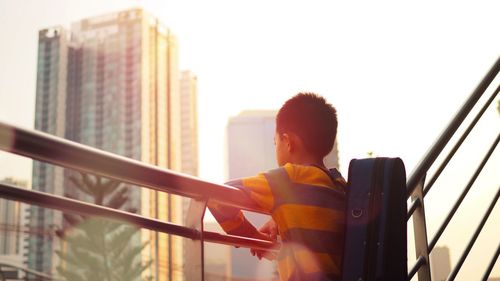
(97, 248)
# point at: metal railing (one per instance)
(47, 148)
(418, 188)
(44, 147)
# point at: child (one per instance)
(305, 199)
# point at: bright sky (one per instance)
(397, 71)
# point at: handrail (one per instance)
(431, 156)
(73, 206)
(417, 189)
(51, 149)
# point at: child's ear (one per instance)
(288, 141)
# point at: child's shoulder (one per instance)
(313, 175)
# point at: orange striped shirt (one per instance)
(308, 206)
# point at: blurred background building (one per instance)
(440, 263)
(113, 82)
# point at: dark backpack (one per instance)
(376, 235)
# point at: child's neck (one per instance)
(306, 160)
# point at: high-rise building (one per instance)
(50, 118)
(189, 128)
(440, 263)
(120, 92)
(189, 133)
(250, 151)
(12, 222)
(189, 123)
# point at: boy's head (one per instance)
(306, 125)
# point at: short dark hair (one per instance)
(312, 119)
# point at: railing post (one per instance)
(420, 232)
(194, 264)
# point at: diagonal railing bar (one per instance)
(459, 264)
(450, 155)
(418, 264)
(47, 148)
(82, 208)
(429, 158)
(463, 194)
(491, 264)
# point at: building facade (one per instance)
(12, 222)
(13, 217)
(189, 123)
(189, 129)
(50, 118)
(122, 94)
(250, 151)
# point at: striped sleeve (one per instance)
(231, 219)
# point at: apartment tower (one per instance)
(113, 83)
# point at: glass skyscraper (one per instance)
(113, 82)
(50, 118)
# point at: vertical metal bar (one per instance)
(463, 194)
(194, 265)
(420, 231)
(492, 264)
(459, 264)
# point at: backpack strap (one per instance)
(334, 175)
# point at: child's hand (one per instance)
(269, 231)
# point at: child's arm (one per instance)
(232, 220)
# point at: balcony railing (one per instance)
(418, 188)
(50, 149)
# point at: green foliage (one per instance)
(97, 248)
